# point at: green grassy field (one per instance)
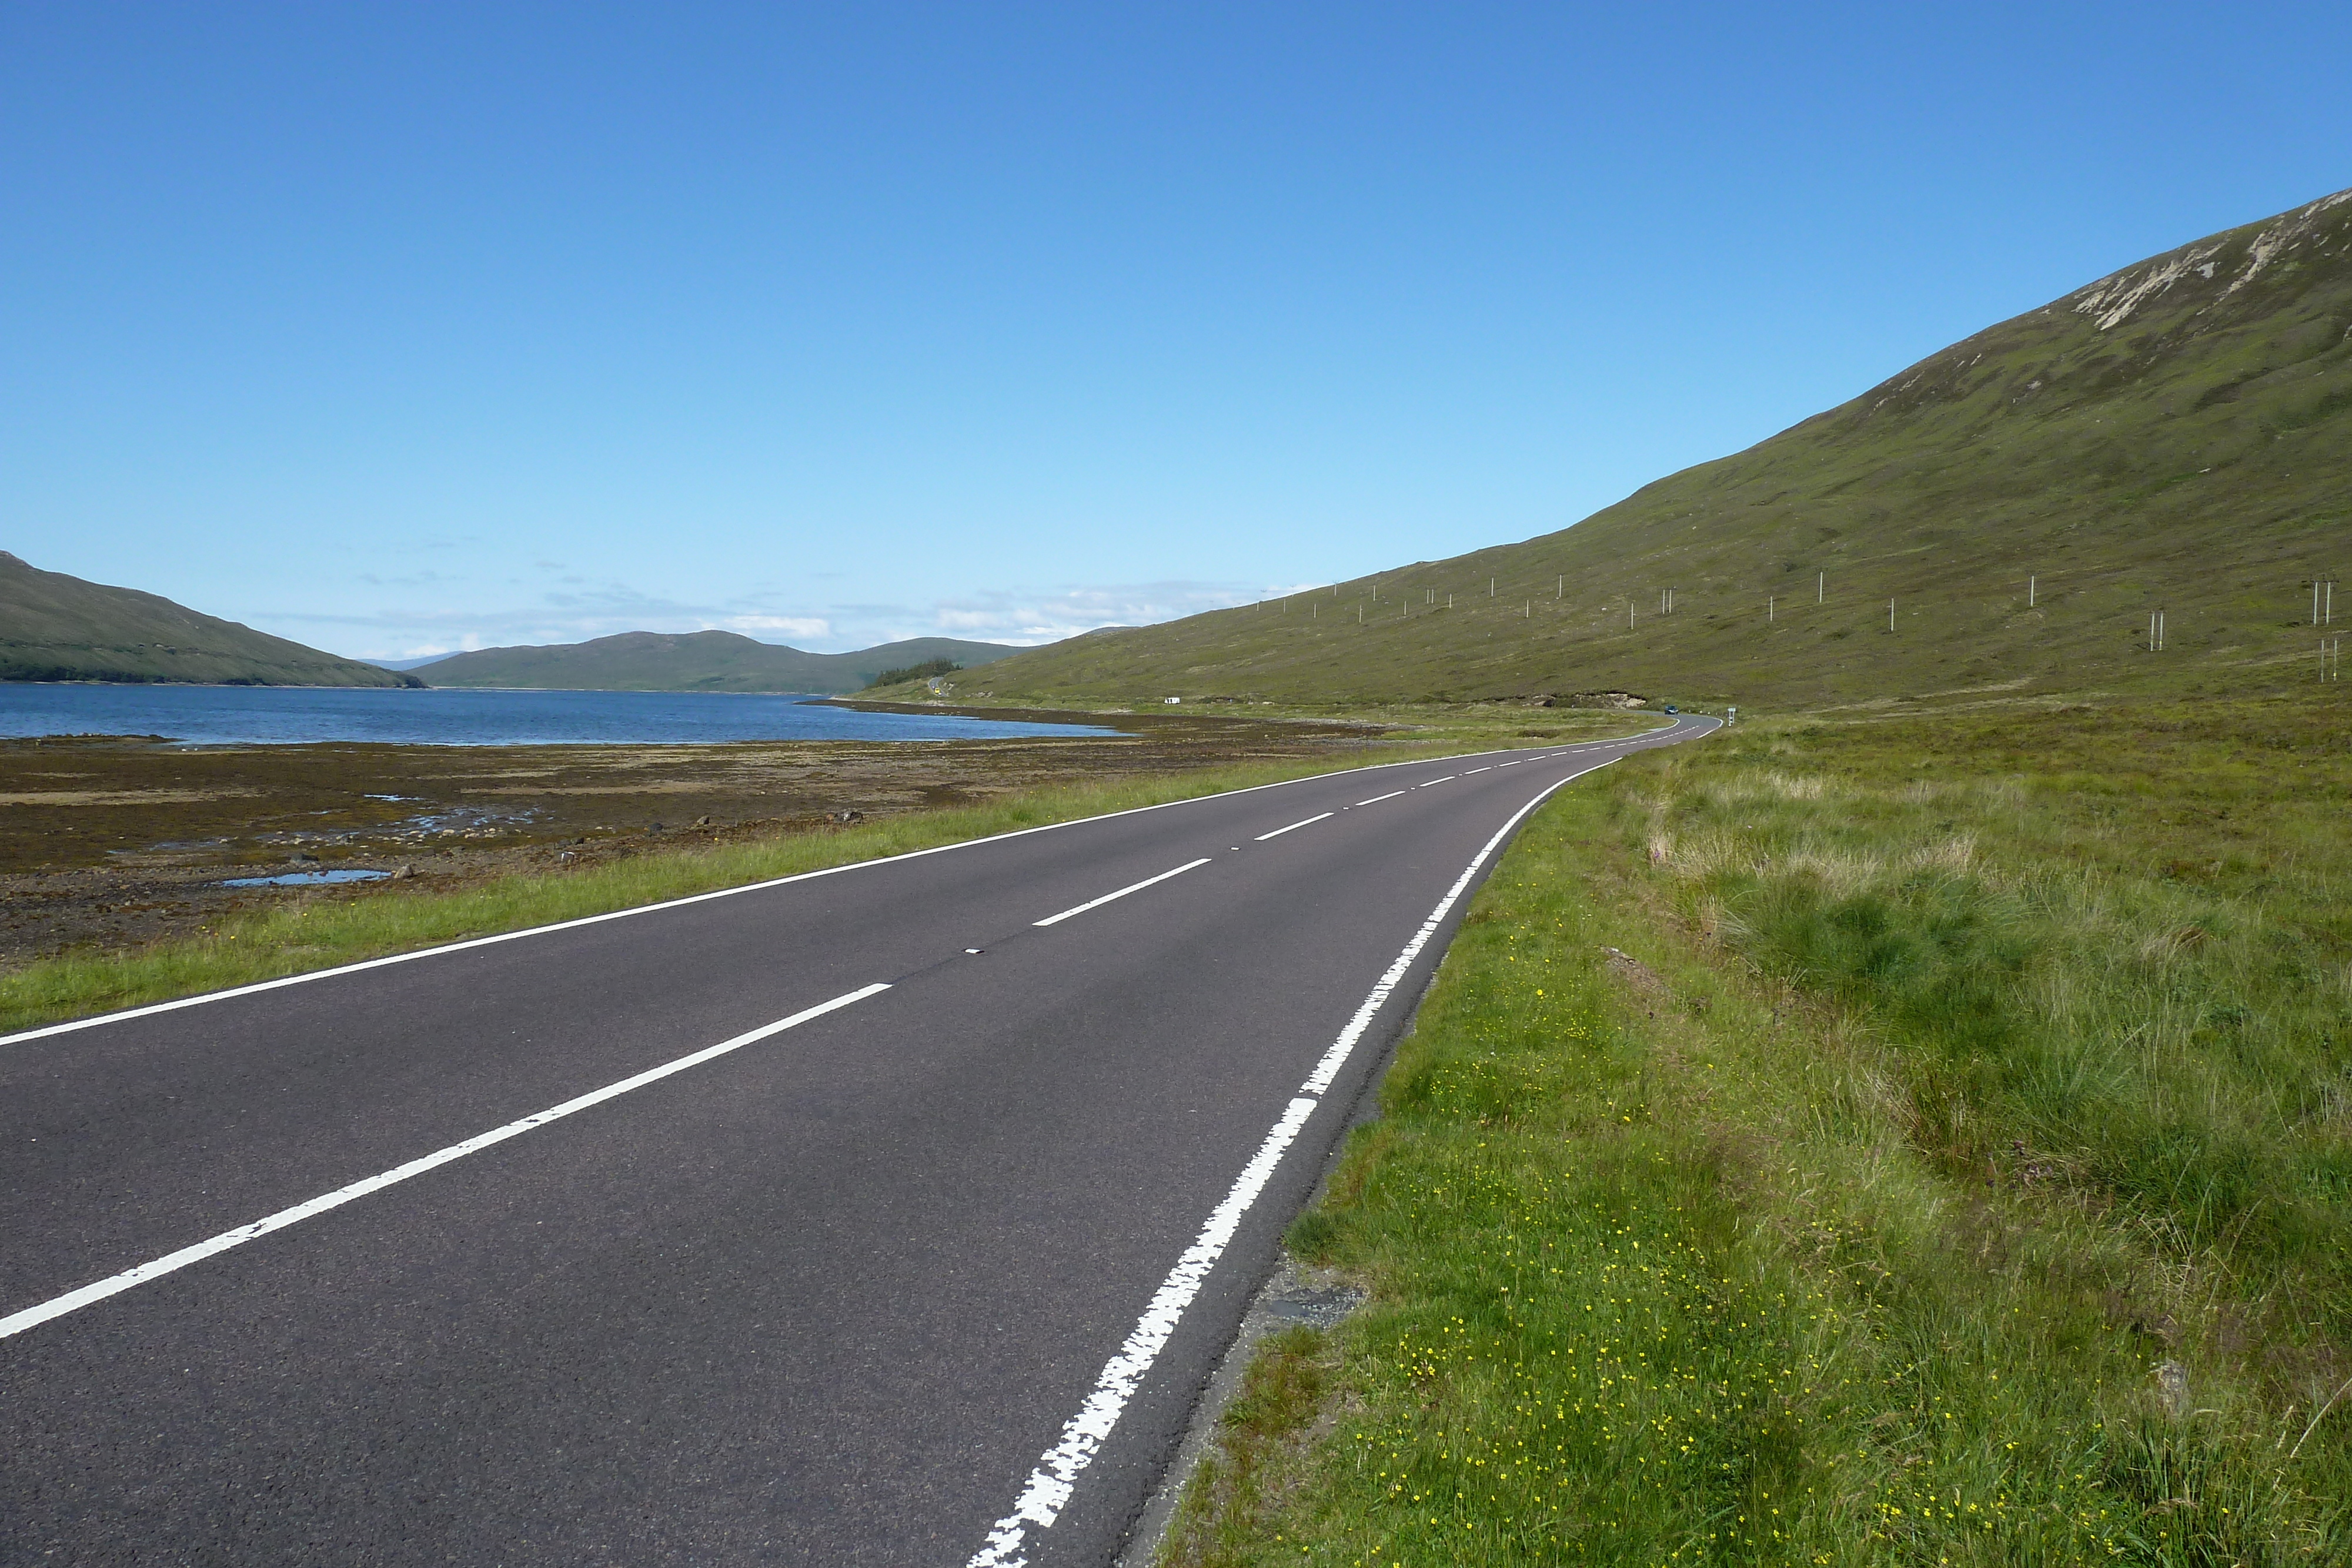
(320, 930)
(1952, 1170)
(2175, 439)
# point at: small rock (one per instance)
(304, 858)
(846, 816)
(403, 873)
(1292, 1301)
(2173, 1387)
(702, 821)
(1632, 971)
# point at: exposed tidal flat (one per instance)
(129, 813)
(109, 842)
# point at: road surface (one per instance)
(893, 1214)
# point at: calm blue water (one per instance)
(306, 879)
(291, 714)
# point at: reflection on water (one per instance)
(305, 879)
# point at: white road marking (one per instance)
(1320, 1080)
(1467, 771)
(127, 1014)
(1122, 892)
(1050, 1484)
(1378, 799)
(231, 992)
(17, 1322)
(1517, 760)
(1307, 822)
(1427, 782)
(1040, 1502)
(1047, 1490)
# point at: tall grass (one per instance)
(2081, 991)
(1957, 1176)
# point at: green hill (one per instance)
(695, 662)
(2175, 437)
(54, 627)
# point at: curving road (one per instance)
(891, 1215)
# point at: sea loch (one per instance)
(290, 715)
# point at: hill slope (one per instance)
(694, 661)
(2174, 437)
(54, 627)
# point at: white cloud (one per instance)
(569, 613)
(1034, 616)
(797, 627)
(566, 613)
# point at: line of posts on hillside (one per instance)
(2323, 608)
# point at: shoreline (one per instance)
(111, 843)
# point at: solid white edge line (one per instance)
(1378, 799)
(1122, 892)
(1320, 1080)
(1050, 1484)
(57, 1306)
(1049, 1487)
(1304, 823)
(151, 1009)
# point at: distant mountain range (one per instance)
(695, 662)
(2146, 483)
(54, 627)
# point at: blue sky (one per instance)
(399, 328)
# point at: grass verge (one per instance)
(1947, 1167)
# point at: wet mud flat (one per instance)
(109, 842)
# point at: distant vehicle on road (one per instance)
(1672, 708)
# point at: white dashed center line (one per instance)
(1427, 782)
(1122, 892)
(1050, 1486)
(1467, 771)
(17, 1322)
(1279, 832)
(1378, 799)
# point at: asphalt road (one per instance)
(890, 1215)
